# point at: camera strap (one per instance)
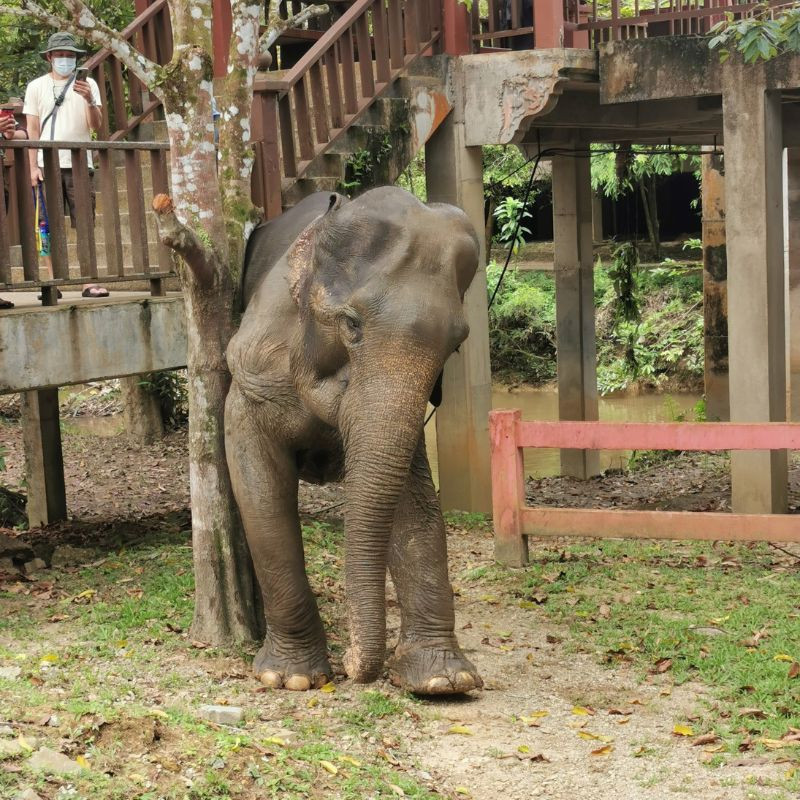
(56, 106)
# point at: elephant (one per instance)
(351, 308)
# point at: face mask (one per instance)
(64, 66)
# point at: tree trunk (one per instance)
(652, 223)
(489, 229)
(227, 599)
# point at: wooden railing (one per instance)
(18, 228)
(297, 115)
(514, 520)
(665, 18)
(126, 103)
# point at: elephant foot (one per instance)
(433, 668)
(297, 672)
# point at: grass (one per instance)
(725, 616)
(104, 649)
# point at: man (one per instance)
(9, 129)
(60, 107)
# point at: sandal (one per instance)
(5, 303)
(94, 291)
(39, 297)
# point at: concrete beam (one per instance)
(756, 311)
(792, 246)
(503, 93)
(575, 327)
(454, 174)
(669, 67)
(74, 344)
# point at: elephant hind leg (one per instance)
(428, 659)
(264, 477)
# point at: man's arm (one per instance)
(34, 133)
(94, 116)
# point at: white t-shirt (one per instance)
(70, 123)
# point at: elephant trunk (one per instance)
(380, 439)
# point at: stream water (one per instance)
(542, 404)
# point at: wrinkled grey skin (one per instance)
(351, 312)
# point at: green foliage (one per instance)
(760, 37)
(511, 214)
(649, 325)
(170, 387)
(522, 325)
(617, 171)
(20, 43)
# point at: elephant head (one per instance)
(379, 283)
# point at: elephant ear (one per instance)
(300, 257)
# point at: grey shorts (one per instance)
(69, 193)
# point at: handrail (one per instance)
(344, 23)
(128, 32)
(48, 144)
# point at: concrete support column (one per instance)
(792, 242)
(454, 174)
(142, 411)
(597, 218)
(715, 288)
(756, 295)
(575, 329)
(44, 463)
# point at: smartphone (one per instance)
(6, 112)
(81, 73)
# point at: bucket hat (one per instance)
(61, 41)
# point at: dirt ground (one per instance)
(528, 733)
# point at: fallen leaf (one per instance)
(784, 657)
(82, 761)
(552, 639)
(198, 645)
(463, 790)
(583, 711)
(716, 748)
(794, 669)
(604, 611)
(683, 730)
(276, 740)
(328, 688)
(661, 666)
(706, 738)
(397, 790)
(328, 767)
(523, 748)
(623, 712)
(777, 744)
(589, 736)
(623, 721)
(605, 750)
(85, 596)
(354, 762)
(463, 730)
(752, 713)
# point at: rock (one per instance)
(28, 794)
(10, 673)
(10, 748)
(51, 762)
(34, 565)
(6, 730)
(222, 715)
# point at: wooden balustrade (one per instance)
(665, 17)
(17, 228)
(298, 114)
(125, 101)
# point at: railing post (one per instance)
(508, 489)
(456, 28)
(221, 32)
(548, 23)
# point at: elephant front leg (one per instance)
(428, 659)
(264, 478)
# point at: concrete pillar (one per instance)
(715, 288)
(756, 313)
(44, 463)
(142, 411)
(575, 331)
(454, 174)
(597, 218)
(792, 246)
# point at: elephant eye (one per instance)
(352, 328)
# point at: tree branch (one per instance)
(84, 24)
(183, 240)
(276, 25)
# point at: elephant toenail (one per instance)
(320, 681)
(438, 685)
(271, 678)
(298, 683)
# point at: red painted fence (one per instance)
(514, 521)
